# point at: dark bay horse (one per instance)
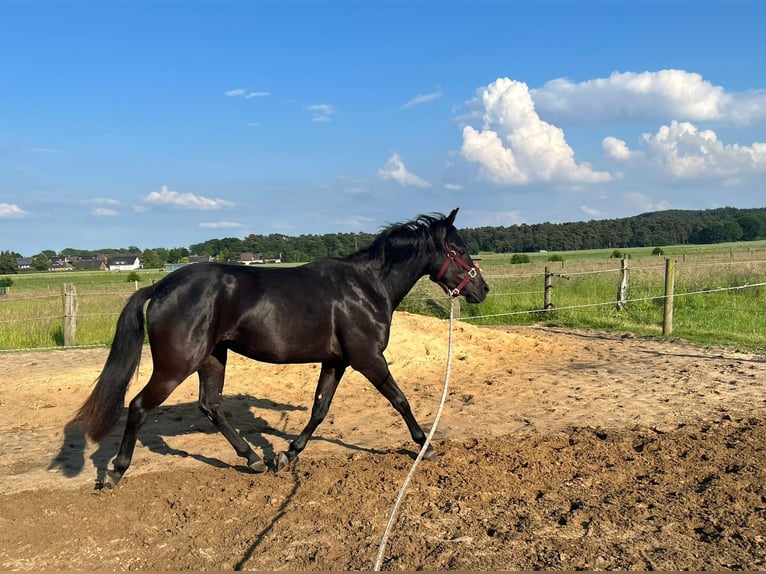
(333, 311)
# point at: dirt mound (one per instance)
(558, 450)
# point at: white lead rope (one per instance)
(426, 444)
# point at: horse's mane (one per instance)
(399, 241)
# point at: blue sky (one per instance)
(167, 123)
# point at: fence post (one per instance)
(547, 304)
(69, 293)
(622, 288)
(670, 279)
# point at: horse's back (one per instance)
(309, 313)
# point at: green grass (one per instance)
(731, 318)
(584, 297)
(31, 313)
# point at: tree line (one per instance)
(671, 227)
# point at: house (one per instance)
(60, 264)
(124, 262)
(250, 258)
(23, 263)
(90, 262)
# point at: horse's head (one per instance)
(453, 267)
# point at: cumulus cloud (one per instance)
(514, 146)
(683, 151)
(11, 210)
(422, 99)
(220, 224)
(631, 96)
(165, 197)
(394, 169)
(322, 112)
(616, 148)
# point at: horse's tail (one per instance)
(102, 408)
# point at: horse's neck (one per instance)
(400, 279)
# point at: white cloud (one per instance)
(102, 206)
(242, 93)
(322, 112)
(185, 200)
(11, 210)
(103, 212)
(220, 225)
(394, 169)
(422, 99)
(661, 95)
(355, 221)
(453, 186)
(591, 212)
(645, 203)
(682, 151)
(616, 148)
(473, 218)
(514, 146)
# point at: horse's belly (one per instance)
(278, 346)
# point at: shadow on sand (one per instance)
(178, 420)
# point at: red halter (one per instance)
(452, 256)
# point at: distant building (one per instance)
(60, 264)
(253, 258)
(124, 263)
(250, 258)
(89, 262)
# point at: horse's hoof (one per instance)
(282, 461)
(111, 480)
(258, 466)
(430, 455)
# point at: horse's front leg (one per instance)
(329, 377)
(381, 378)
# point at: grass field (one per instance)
(708, 309)
(718, 296)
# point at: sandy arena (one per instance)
(558, 450)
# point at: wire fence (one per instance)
(36, 320)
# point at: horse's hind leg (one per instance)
(329, 377)
(211, 378)
(152, 395)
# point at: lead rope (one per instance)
(395, 508)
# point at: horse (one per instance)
(335, 311)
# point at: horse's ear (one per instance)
(451, 216)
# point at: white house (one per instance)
(124, 263)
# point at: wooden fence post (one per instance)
(69, 293)
(547, 304)
(622, 288)
(670, 280)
